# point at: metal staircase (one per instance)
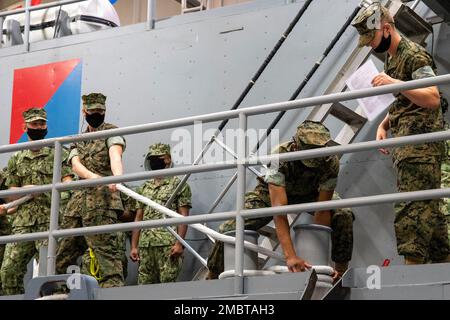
(409, 24)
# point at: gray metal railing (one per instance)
(151, 11)
(242, 162)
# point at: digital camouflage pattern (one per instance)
(420, 226)
(156, 266)
(445, 183)
(28, 168)
(158, 149)
(368, 21)
(94, 101)
(302, 184)
(34, 114)
(412, 62)
(94, 155)
(160, 191)
(5, 226)
(92, 207)
(309, 135)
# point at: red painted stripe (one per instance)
(33, 87)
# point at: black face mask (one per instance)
(36, 134)
(157, 163)
(95, 119)
(384, 45)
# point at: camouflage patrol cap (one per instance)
(34, 114)
(94, 101)
(311, 134)
(158, 149)
(368, 21)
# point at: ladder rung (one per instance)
(412, 25)
(347, 115)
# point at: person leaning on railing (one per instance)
(28, 168)
(96, 205)
(420, 226)
(295, 182)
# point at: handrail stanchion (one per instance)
(151, 13)
(240, 192)
(54, 211)
(27, 25)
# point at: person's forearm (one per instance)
(424, 97)
(115, 156)
(385, 123)
(136, 233)
(116, 166)
(135, 238)
(82, 171)
(284, 236)
(182, 228)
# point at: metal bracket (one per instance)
(62, 24)
(13, 33)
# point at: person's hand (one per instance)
(3, 211)
(383, 79)
(176, 250)
(112, 187)
(336, 276)
(381, 135)
(134, 254)
(297, 264)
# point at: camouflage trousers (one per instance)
(156, 266)
(104, 247)
(420, 226)
(5, 230)
(16, 258)
(341, 237)
(445, 208)
(121, 246)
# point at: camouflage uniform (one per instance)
(420, 226)
(156, 265)
(303, 179)
(445, 183)
(94, 206)
(5, 226)
(129, 204)
(28, 168)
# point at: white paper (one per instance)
(362, 79)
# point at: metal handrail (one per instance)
(242, 162)
(232, 114)
(39, 7)
(151, 11)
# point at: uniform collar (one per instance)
(151, 183)
(42, 152)
(401, 47)
(100, 128)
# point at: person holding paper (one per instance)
(420, 226)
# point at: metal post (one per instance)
(54, 211)
(2, 19)
(151, 13)
(415, 4)
(239, 251)
(27, 25)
